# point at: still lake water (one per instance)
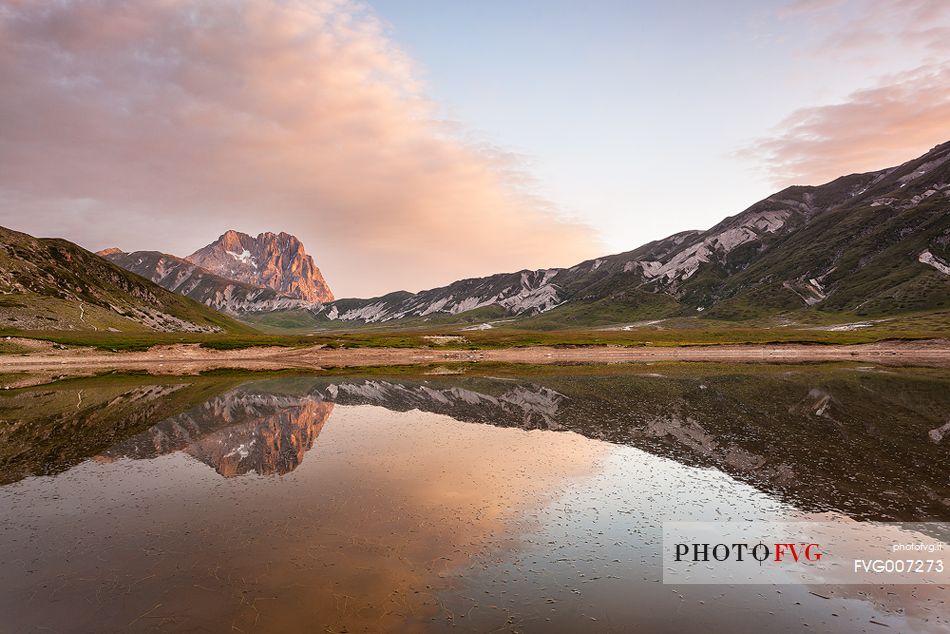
(452, 502)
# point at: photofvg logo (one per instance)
(844, 552)
(777, 553)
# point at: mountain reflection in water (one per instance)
(436, 502)
(236, 433)
(866, 442)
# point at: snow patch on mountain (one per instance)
(379, 311)
(683, 264)
(436, 306)
(537, 299)
(244, 257)
(530, 292)
(913, 201)
(928, 258)
(809, 291)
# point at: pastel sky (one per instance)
(410, 143)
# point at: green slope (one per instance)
(55, 285)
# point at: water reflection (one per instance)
(429, 502)
(848, 440)
(865, 442)
(236, 433)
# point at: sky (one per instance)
(410, 143)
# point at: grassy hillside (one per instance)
(54, 285)
(869, 255)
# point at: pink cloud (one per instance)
(902, 117)
(159, 125)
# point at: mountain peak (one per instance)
(270, 260)
(109, 251)
(232, 240)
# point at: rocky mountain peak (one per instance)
(109, 251)
(231, 239)
(278, 261)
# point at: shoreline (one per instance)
(192, 359)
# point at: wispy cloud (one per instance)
(161, 124)
(899, 117)
(893, 122)
(863, 25)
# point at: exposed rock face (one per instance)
(276, 261)
(181, 276)
(235, 274)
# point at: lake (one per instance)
(474, 499)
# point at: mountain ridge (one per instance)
(236, 273)
(188, 279)
(839, 225)
(874, 243)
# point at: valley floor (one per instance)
(46, 361)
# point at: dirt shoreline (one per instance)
(189, 359)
